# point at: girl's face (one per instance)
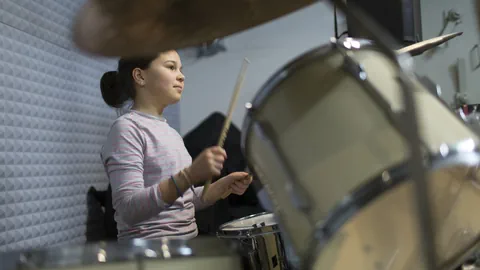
(163, 79)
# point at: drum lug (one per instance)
(353, 67)
(431, 86)
(333, 42)
(350, 64)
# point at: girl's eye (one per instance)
(172, 67)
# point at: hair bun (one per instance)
(108, 87)
(108, 81)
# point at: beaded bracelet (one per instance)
(176, 186)
(185, 174)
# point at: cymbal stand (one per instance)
(409, 126)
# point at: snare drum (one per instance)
(260, 239)
(323, 136)
(198, 254)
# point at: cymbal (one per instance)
(132, 28)
(421, 47)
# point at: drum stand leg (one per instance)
(410, 127)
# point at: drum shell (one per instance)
(320, 130)
(261, 241)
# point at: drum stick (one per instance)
(228, 120)
(421, 47)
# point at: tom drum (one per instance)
(260, 240)
(324, 137)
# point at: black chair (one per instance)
(204, 135)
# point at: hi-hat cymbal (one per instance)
(421, 47)
(131, 28)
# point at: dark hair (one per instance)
(117, 87)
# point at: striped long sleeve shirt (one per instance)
(141, 150)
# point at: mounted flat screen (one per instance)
(401, 18)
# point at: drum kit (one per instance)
(365, 166)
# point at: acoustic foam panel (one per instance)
(53, 122)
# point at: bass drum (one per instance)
(323, 137)
(137, 254)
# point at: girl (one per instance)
(151, 173)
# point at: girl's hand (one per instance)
(207, 165)
(236, 183)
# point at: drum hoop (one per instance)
(374, 188)
(245, 218)
(268, 230)
(248, 232)
(135, 250)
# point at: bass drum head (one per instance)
(320, 133)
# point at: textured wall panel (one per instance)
(52, 124)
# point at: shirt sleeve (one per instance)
(122, 156)
(197, 199)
